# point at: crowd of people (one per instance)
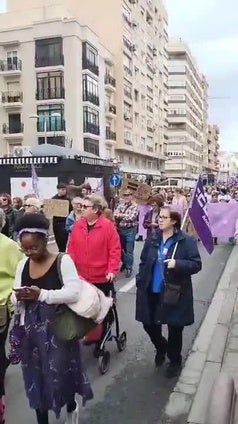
(98, 244)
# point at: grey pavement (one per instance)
(215, 351)
(133, 391)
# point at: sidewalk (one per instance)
(215, 349)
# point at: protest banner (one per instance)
(222, 218)
(55, 207)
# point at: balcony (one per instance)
(91, 98)
(12, 99)
(110, 83)
(49, 61)
(150, 129)
(87, 65)
(13, 131)
(50, 94)
(91, 128)
(52, 125)
(110, 111)
(110, 136)
(10, 68)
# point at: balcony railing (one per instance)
(44, 61)
(91, 128)
(12, 97)
(50, 93)
(52, 125)
(109, 80)
(90, 66)
(16, 128)
(7, 66)
(92, 98)
(110, 135)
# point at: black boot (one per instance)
(139, 238)
(173, 370)
(159, 359)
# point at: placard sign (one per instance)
(129, 184)
(55, 207)
(142, 194)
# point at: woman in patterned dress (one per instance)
(52, 370)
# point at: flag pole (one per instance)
(182, 227)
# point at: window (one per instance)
(12, 59)
(127, 112)
(91, 146)
(49, 52)
(127, 63)
(90, 58)
(50, 85)
(128, 90)
(136, 95)
(51, 118)
(90, 90)
(58, 140)
(91, 120)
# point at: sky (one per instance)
(210, 27)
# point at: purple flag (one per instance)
(199, 217)
(35, 181)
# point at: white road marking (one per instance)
(128, 286)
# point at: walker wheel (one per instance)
(104, 362)
(121, 343)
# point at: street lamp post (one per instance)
(54, 115)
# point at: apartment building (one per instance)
(211, 150)
(136, 33)
(228, 167)
(187, 113)
(57, 82)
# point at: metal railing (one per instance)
(7, 66)
(12, 97)
(16, 128)
(50, 93)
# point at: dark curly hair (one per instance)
(32, 220)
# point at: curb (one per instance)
(188, 403)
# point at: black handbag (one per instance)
(67, 325)
(171, 294)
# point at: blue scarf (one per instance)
(158, 271)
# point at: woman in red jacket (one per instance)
(94, 245)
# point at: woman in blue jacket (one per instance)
(164, 287)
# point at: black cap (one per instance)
(61, 185)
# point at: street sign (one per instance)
(115, 180)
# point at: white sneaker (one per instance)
(73, 417)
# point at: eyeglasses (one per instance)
(86, 206)
(162, 218)
(27, 206)
(127, 194)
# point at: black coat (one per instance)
(188, 262)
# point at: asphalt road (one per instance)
(133, 391)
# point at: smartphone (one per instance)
(19, 289)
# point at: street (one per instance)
(132, 391)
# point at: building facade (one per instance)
(56, 81)
(136, 33)
(187, 114)
(228, 167)
(211, 150)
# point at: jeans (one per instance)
(127, 237)
(172, 347)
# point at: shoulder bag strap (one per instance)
(59, 262)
